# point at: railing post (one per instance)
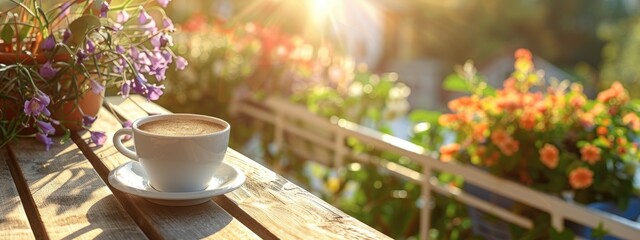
(557, 221)
(425, 214)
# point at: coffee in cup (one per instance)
(181, 127)
(179, 152)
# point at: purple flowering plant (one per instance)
(53, 52)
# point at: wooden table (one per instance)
(63, 194)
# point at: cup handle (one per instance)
(117, 142)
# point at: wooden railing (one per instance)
(293, 120)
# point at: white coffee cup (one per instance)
(183, 163)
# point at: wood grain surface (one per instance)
(13, 219)
(204, 221)
(72, 200)
(283, 208)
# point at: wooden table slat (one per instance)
(13, 219)
(285, 209)
(206, 220)
(71, 198)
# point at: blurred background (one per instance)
(384, 64)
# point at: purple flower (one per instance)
(118, 67)
(144, 17)
(155, 42)
(160, 73)
(44, 139)
(139, 84)
(87, 120)
(37, 105)
(120, 49)
(122, 16)
(181, 63)
(91, 47)
(47, 71)
(161, 41)
(154, 92)
(164, 3)
(96, 87)
(168, 24)
(150, 27)
(99, 138)
(45, 127)
(167, 56)
(66, 35)
(49, 43)
(166, 39)
(125, 89)
(104, 8)
(65, 7)
(80, 56)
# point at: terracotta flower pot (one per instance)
(70, 114)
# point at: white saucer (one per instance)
(131, 178)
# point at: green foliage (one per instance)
(600, 232)
(564, 235)
(561, 32)
(619, 54)
(81, 26)
(456, 83)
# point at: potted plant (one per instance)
(57, 59)
(547, 136)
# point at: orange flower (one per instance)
(632, 120)
(492, 159)
(509, 101)
(509, 84)
(602, 130)
(622, 150)
(523, 53)
(510, 147)
(479, 130)
(528, 121)
(615, 94)
(462, 103)
(447, 119)
(577, 101)
(587, 119)
(447, 152)
(580, 178)
(499, 137)
(549, 156)
(590, 154)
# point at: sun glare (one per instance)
(321, 9)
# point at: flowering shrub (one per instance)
(550, 137)
(251, 59)
(53, 53)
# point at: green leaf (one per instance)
(564, 235)
(7, 33)
(431, 117)
(81, 26)
(24, 32)
(599, 232)
(44, 16)
(488, 90)
(24, 7)
(456, 83)
(66, 137)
